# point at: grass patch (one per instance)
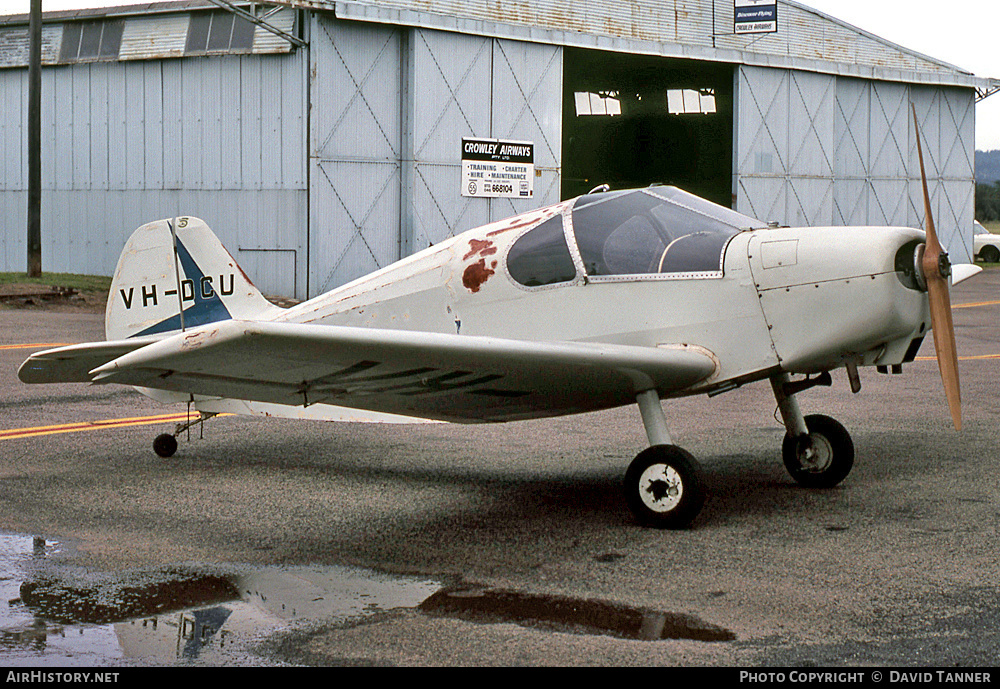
(83, 283)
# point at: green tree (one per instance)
(988, 202)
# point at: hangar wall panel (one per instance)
(527, 106)
(947, 125)
(355, 141)
(851, 160)
(451, 99)
(84, 232)
(125, 143)
(784, 145)
(815, 149)
(521, 99)
(390, 108)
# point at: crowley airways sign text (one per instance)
(492, 168)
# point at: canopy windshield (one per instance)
(658, 230)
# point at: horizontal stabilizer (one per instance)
(960, 272)
(71, 364)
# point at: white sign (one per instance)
(493, 168)
(755, 16)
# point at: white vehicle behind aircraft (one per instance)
(608, 299)
(985, 244)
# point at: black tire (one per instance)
(165, 445)
(990, 254)
(834, 453)
(664, 488)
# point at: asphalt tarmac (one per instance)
(898, 566)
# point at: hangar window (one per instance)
(597, 103)
(677, 102)
(87, 41)
(660, 230)
(218, 32)
(691, 101)
(541, 257)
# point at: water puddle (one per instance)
(52, 614)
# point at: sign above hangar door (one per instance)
(755, 16)
(494, 168)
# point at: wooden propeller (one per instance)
(937, 269)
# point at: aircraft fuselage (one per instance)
(802, 300)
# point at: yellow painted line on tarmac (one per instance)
(978, 357)
(36, 345)
(975, 303)
(32, 432)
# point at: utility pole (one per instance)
(35, 139)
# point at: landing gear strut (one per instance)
(817, 450)
(165, 444)
(663, 484)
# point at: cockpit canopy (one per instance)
(642, 232)
(655, 230)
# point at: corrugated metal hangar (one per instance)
(323, 139)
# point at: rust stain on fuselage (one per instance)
(516, 224)
(531, 218)
(482, 247)
(476, 274)
(197, 338)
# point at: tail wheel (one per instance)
(165, 445)
(664, 488)
(822, 459)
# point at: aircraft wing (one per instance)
(428, 375)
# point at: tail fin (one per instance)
(175, 274)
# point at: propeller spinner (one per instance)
(936, 269)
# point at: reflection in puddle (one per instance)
(106, 598)
(571, 615)
(57, 616)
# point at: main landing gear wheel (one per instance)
(664, 488)
(823, 458)
(165, 445)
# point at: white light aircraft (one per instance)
(608, 299)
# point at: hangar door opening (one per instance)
(635, 120)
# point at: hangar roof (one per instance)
(136, 32)
(806, 39)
